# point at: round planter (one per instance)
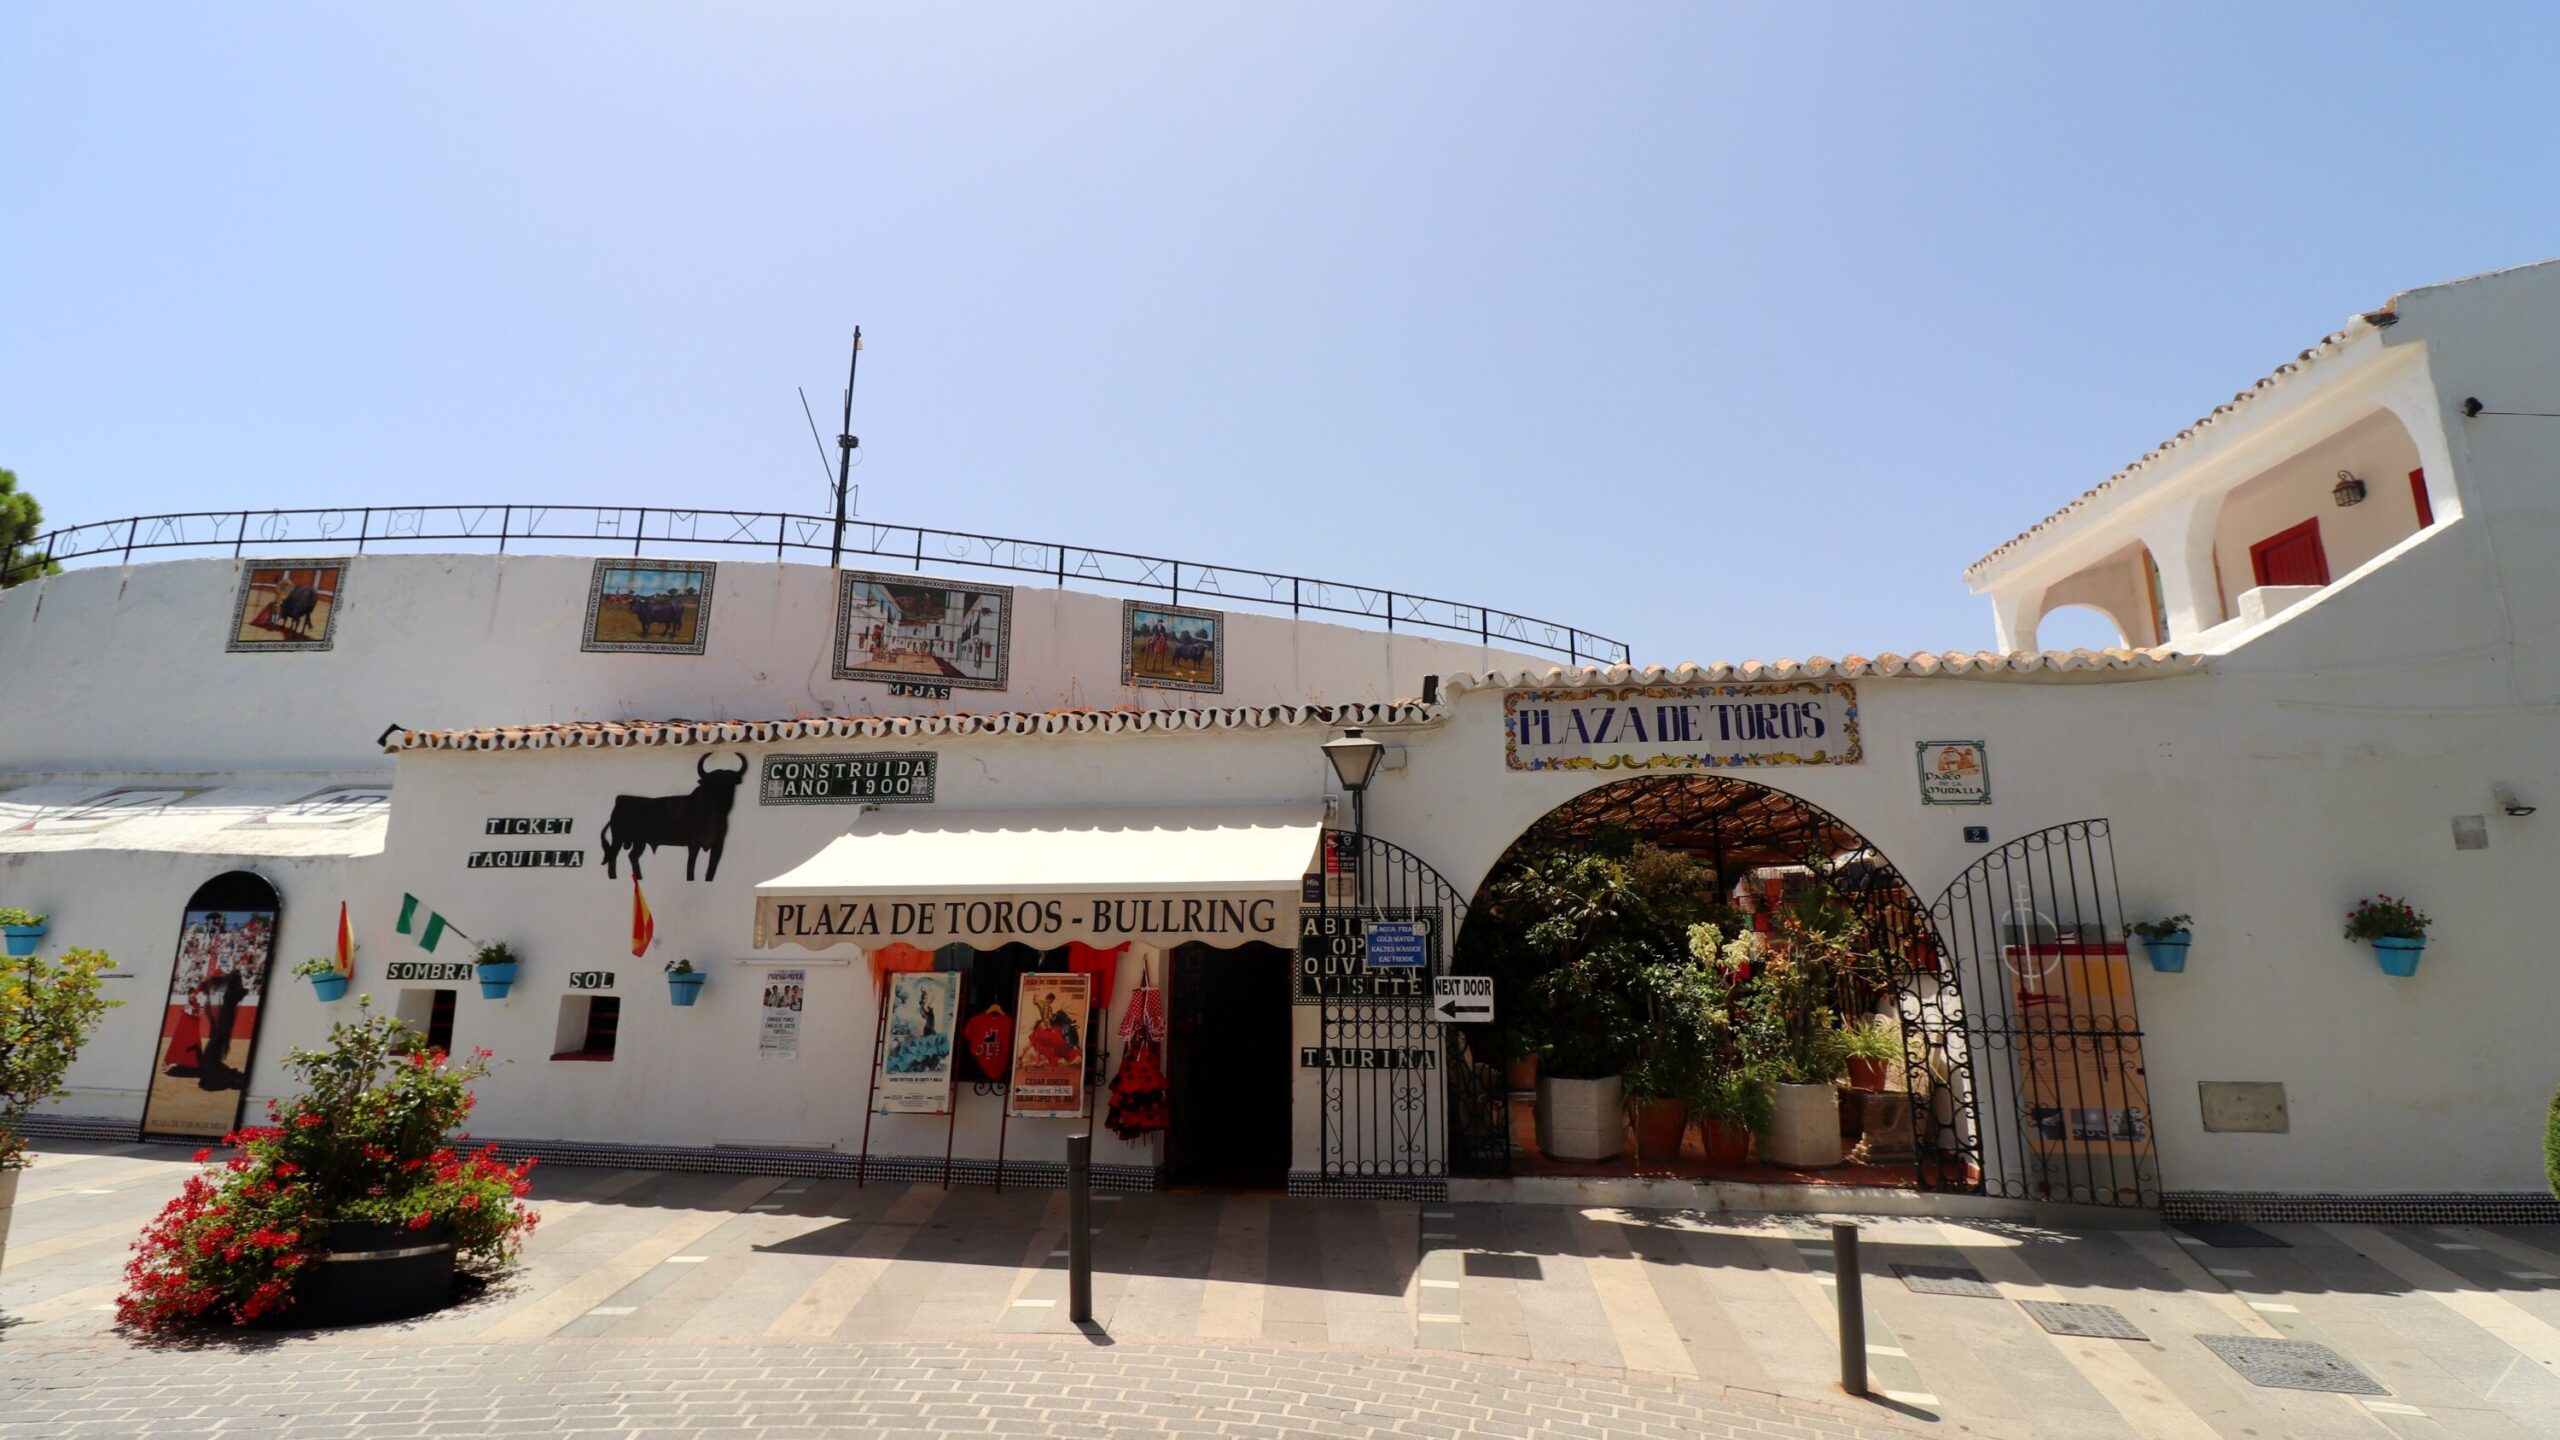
(22, 939)
(329, 987)
(1804, 1134)
(373, 1271)
(1868, 1075)
(1581, 1119)
(685, 988)
(2169, 952)
(1522, 1074)
(1660, 1126)
(2399, 953)
(496, 980)
(8, 1202)
(1728, 1144)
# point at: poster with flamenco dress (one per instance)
(1052, 1016)
(209, 1026)
(915, 1067)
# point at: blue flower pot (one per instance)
(23, 939)
(329, 987)
(496, 980)
(684, 989)
(2169, 952)
(2399, 953)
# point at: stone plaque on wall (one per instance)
(2244, 1106)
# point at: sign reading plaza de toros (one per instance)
(1658, 727)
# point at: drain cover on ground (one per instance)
(2291, 1365)
(1946, 1280)
(2097, 1322)
(2231, 1235)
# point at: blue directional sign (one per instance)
(1397, 944)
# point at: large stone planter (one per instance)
(373, 1272)
(1581, 1119)
(1805, 1132)
(8, 1201)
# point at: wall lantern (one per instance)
(1355, 759)
(2348, 491)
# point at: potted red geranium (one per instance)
(2396, 929)
(353, 1206)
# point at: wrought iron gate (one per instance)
(2029, 1046)
(1401, 1097)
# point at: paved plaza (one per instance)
(677, 1304)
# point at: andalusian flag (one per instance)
(346, 943)
(428, 932)
(644, 926)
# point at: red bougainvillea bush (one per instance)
(367, 1140)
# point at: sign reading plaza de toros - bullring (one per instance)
(931, 922)
(1799, 722)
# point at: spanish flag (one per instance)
(644, 927)
(346, 943)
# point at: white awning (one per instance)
(1223, 874)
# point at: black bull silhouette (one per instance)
(698, 821)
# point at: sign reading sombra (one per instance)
(1659, 727)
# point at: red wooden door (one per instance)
(2291, 557)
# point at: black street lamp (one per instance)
(1355, 759)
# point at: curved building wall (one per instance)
(128, 670)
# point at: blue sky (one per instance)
(1729, 331)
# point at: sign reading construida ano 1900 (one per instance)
(1672, 727)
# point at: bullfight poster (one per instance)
(649, 607)
(915, 1061)
(1052, 1014)
(209, 1027)
(288, 605)
(778, 1037)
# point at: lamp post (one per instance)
(1355, 757)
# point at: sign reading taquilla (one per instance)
(1662, 727)
(848, 779)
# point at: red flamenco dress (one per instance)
(1138, 1091)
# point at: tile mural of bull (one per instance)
(698, 821)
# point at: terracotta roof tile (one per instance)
(608, 733)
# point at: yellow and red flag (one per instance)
(644, 927)
(346, 943)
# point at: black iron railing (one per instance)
(589, 528)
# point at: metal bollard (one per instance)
(1849, 1285)
(1080, 1228)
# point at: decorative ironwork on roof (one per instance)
(611, 733)
(1923, 664)
(590, 529)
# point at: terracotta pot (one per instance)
(1660, 1125)
(1581, 1119)
(1868, 1075)
(1728, 1144)
(1522, 1074)
(1805, 1132)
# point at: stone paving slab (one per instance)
(297, 1388)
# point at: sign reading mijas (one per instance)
(1663, 727)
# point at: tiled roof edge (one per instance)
(1924, 664)
(2329, 345)
(616, 733)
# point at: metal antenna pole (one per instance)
(845, 444)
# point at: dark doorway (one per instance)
(1228, 1067)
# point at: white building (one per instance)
(2340, 684)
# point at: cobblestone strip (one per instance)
(293, 1389)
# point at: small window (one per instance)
(2418, 493)
(587, 1027)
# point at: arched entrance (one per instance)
(1765, 849)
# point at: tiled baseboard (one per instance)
(86, 1127)
(1343, 1187)
(2520, 1208)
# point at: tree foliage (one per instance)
(21, 520)
(47, 1011)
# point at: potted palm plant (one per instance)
(22, 930)
(496, 964)
(1730, 1104)
(1680, 1034)
(2165, 941)
(2396, 929)
(1871, 1046)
